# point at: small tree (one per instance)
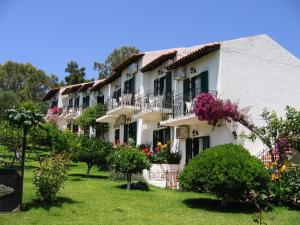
(129, 160)
(227, 171)
(88, 118)
(24, 120)
(92, 152)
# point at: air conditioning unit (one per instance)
(180, 73)
(182, 132)
(121, 120)
(132, 69)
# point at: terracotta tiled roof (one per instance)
(50, 94)
(85, 86)
(158, 61)
(116, 72)
(97, 86)
(128, 61)
(198, 53)
(71, 89)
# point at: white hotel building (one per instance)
(150, 95)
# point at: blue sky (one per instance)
(50, 33)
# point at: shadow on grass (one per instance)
(215, 205)
(35, 204)
(141, 186)
(78, 175)
(30, 167)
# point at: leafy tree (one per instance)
(88, 118)
(76, 74)
(28, 82)
(227, 171)
(92, 152)
(8, 100)
(24, 120)
(129, 160)
(113, 59)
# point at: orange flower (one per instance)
(274, 176)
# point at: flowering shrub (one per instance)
(161, 153)
(211, 109)
(55, 110)
(285, 185)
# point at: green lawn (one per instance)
(98, 200)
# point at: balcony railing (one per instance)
(183, 104)
(125, 99)
(153, 100)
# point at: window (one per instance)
(194, 146)
(199, 84)
(54, 104)
(162, 135)
(100, 99)
(86, 101)
(75, 128)
(117, 135)
(130, 131)
(163, 85)
(76, 104)
(70, 103)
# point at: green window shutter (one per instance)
(161, 85)
(125, 138)
(126, 87)
(156, 86)
(204, 81)
(186, 93)
(206, 144)
(188, 150)
(168, 94)
(117, 135)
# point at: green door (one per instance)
(204, 82)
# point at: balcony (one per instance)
(53, 114)
(72, 113)
(183, 109)
(121, 105)
(149, 106)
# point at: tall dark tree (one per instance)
(28, 82)
(76, 75)
(8, 100)
(113, 59)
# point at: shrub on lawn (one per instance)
(227, 171)
(92, 152)
(129, 160)
(49, 177)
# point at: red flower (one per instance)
(148, 153)
(157, 149)
(145, 150)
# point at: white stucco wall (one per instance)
(258, 73)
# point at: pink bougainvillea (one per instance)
(211, 109)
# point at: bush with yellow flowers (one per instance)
(285, 185)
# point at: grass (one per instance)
(98, 200)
